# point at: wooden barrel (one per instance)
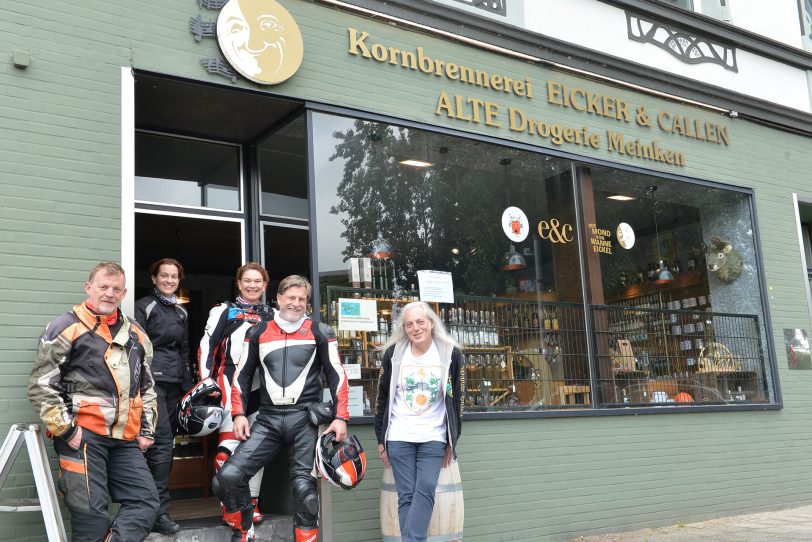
(449, 511)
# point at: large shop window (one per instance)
(508, 226)
(675, 302)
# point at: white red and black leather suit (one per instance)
(291, 365)
(219, 353)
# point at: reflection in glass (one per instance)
(446, 216)
(283, 171)
(411, 200)
(180, 171)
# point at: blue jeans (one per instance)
(416, 468)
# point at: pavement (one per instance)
(789, 525)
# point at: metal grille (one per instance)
(659, 356)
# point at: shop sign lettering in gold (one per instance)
(600, 239)
(520, 119)
(260, 39)
(555, 232)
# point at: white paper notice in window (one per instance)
(435, 286)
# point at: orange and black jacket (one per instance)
(84, 376)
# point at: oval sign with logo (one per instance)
(625, 235)
(515, 224)
(260, 39)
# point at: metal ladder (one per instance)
(47, 501)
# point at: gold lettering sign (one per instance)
(555, 232)
(658, 135)
(260, 39)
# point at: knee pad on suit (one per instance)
(306, 501)
(230, 485)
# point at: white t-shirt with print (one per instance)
(418, 410)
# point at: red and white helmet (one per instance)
(342, 464)
(201, 412)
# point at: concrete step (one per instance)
(272, 529)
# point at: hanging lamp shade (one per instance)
(512, 260)
(381, 249)
(664, 276)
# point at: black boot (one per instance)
(165, 525)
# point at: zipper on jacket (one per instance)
(285, 365)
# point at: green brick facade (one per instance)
(524, 479)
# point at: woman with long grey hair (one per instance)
(418, 411)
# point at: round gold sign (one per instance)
(260, 39)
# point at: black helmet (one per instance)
(342, 464)
(201, 413)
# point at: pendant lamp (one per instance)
(512, 260)
(664, 276)
(381, 249)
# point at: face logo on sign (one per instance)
(625, 235)
(515, 224)
(260, 39)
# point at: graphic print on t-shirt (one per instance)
(420, 386)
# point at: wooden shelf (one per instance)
(685, 279)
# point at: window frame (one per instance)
(774, 402)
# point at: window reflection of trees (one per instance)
(427, 212)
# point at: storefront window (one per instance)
(188, 172)
(672, 313)
(677, 307)
(407, 200)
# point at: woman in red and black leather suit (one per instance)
(220, 350)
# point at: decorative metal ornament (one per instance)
(202, 29)
(498, 7)
(218, 66)
(688, 48)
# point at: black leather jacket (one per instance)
(168, 329)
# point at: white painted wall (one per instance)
(776, 19)
(602, 27)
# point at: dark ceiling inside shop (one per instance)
(206, 111)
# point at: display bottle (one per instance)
(470, 371)
(503, 371)
(484, 336)
(467, 327)
(480, 369)
(383, 328)
(625, 396)
(495, 329)
(535, 321)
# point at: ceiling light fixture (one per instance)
(621, 197)
(416, 163)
